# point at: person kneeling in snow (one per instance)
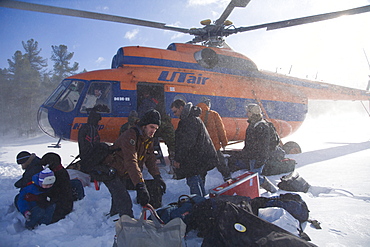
(61, 194)
(30, 164)
(32, 201)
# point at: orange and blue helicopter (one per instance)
(203, 68)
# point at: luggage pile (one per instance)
(232, 215)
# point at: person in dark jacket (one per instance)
(135, 149)
(31, 165)
(32, 200)
(88, 136)
(195, 153)
(61, 192)
(256, 144)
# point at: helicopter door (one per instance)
(150, 96)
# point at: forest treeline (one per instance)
(26, 84)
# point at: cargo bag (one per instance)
(293, 182)
(293, 203)
(225, 224)
(137, 233)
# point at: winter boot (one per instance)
(267, 185)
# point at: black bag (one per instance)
(293, 182)
(95, 158)
(93, 165)
(274, 139)
(292, 203)
(226, 224)
(274, 167)
(203, 218)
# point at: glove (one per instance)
(142, 194)
(27, 215)
(228, 179)
(160, 183)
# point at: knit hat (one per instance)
(254, 109)
(22, 157)
(94, 117)
(51, 159)
(150, 117)
(46, 177)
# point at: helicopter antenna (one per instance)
(368, 83)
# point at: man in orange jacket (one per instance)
(216, 130)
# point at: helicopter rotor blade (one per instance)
(229, 9)
(305, 20)
(86, 14)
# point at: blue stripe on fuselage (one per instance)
(235, 107)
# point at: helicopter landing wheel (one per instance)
(292, 148)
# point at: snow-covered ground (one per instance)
(335, 161)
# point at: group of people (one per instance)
(46, 191)
(199, 137)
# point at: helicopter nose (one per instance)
(43, 121)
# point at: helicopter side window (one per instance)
(99, 93)
(68, 101)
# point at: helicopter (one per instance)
(204, 67)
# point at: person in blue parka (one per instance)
(32, 201)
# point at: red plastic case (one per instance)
(246, 184)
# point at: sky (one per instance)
(331, 51)
(334, 162)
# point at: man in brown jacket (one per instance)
(136, 149)
(216, 130)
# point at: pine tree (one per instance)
(32, 53)
(24, 94)
(5, 99)
(61, 58)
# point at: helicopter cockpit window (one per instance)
(53, 98)
(99, 93)
(68, 101)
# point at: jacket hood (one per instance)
(203, 107)
(254, 119)
(190, 110)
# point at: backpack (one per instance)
(94, 166)
(274, 137)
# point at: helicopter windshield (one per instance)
(68, 100)
(53, 98)
(99, 93)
